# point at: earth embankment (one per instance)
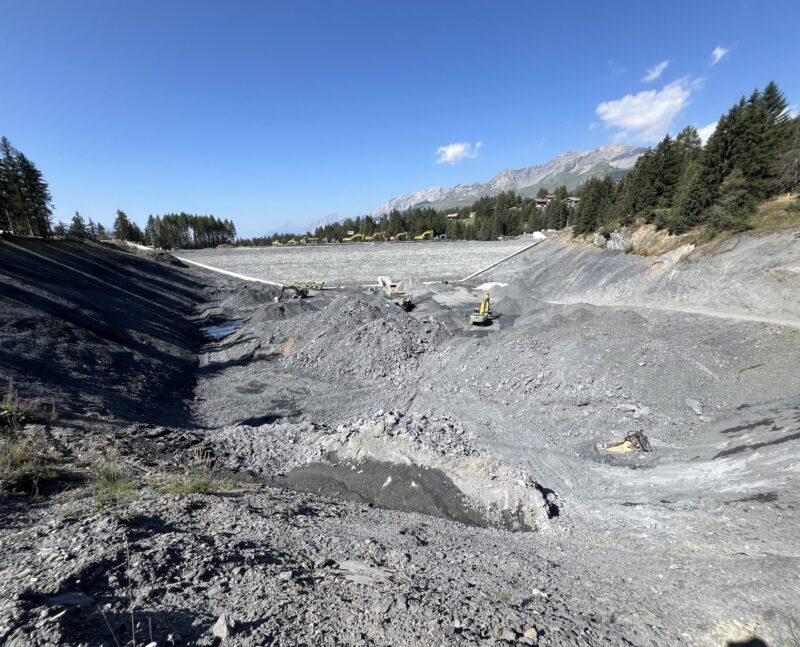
(90, 328)
(752, 276)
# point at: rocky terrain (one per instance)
(338, 471)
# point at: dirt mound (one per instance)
(351, 337)
(235, 296)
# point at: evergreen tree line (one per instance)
(753, 154)
(187, 231)
(124, 229)
(505, 214)
(171, 231)
(25, 201)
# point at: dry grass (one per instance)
(24, 463)
(114, 485)
(200, 477)
(16, 411)
(24, 457)
(782, 212)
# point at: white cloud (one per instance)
(717, 55)
(458, 152)
(706, 131)
(654, 72)
(647, 115)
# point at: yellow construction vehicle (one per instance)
(277, 243)
(425, 235)
(354, 238)
(483, 314)
(378, 235)
(293, 241)
(403, 235)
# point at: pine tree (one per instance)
(91, 230)
(24, 195)
(60, 230)
(787, 167)
(77, 226)
(36, 197)
(689, 199)
(122, 226)
(668, 161)
(735, 205)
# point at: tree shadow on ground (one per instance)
(90, 327)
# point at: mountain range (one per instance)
(570, 169)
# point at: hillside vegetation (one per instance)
(753, 155)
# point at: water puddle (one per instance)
(407, 488)
(220, 331)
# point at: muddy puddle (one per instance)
(222, 330)
(407, 488)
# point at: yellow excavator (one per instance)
(355, 238)
(425, 235)
(403, 235)
(277, 243)
(483, 314)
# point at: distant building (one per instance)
(452, 216)
(541, 203)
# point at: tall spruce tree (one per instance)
(787, 166)
(24, 195)
(122, 226)
(78, 226)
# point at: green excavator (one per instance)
(483, 315)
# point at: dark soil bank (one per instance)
(95, 329)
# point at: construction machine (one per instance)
(403, 235)
(377, 236)
(425, 235)
(483, 315)
(355, 238)
(277, 243)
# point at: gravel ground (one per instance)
(359, 263)
(405, 479)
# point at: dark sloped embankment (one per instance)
(94, 329)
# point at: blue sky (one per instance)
(276, 113)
